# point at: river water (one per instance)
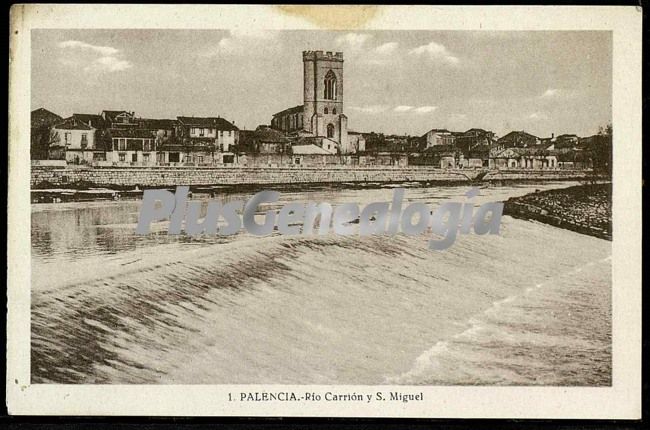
(531, 306)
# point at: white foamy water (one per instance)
(530, 306)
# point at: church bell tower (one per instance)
(323, 96)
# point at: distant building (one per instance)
(159, 127)
(548, 141)
(132, 146)
(523, 158)
(119, 119)
(440, 156)
(203, 140)
(356, 143)
(566, 141)
(478, 156)
(474, 137)
(74, 141)
(330, 146)
(397, 143)
(263, 140)
(289, 120)
(438, 136)
(321, 114)
(95, 121)
(43, 118)
(518, 139)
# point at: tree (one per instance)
(601, 152)
(49, 138)
(53, 138)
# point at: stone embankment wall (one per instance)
(48, 176)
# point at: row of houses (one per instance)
(120, 138)
(478, 148)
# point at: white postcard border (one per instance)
(622, 400)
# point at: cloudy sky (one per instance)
(395, 81)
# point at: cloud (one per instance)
(386, 48)
(92, 58)
(76, 44)
(379, 55)
(108, 64)
(436, 52)
(353, 41)
(370, 109)
(403, 108)
(555, 94)
(458, 116)
(538, 116)
(375, 109)
(425, 109)
(551, 92)
(241, 41)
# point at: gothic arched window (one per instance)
(330, 86)
(330, 130)
(334, 111)
(326, 111)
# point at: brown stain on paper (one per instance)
(334, 17)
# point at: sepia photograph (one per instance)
(275, 207)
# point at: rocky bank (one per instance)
(585, 209)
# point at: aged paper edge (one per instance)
(620, 401)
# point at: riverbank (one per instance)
(161, 177)
(585, 209)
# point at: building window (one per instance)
(145, 158)
(99, 156)
(201, 132)
(330, 86)
(334, 111)
(122, 156)
(330, 130)
(229, 132)
(174, 157)
(67, 137)
(134, 157)
(199, 159)
(326, 111)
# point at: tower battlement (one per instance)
(322, 55)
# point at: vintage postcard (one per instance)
(363, 211)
